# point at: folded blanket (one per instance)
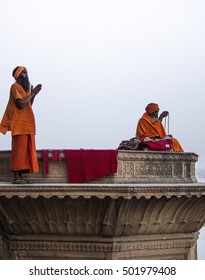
(84, 165)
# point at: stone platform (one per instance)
(153, 208)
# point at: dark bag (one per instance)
(131, 144)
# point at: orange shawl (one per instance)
(149, 128)
(18, 121)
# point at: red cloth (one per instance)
(45, 162)
(45, 157)
(157, 145)
(56, 155)
(84, 165)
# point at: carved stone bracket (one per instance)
(34, 222)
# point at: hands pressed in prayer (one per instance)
(35, 90)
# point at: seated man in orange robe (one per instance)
(19, 119)
(150, 125)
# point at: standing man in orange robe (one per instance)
(19, 119)
(150, 125)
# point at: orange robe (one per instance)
(21, 123)
(150, 128)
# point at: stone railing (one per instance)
(133, 167)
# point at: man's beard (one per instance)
(24, 82)
(154, 118)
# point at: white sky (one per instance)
(101, 63)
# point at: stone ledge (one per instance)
(133, 167)
(115, 191)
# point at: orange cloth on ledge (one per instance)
(84, 165)
(150, 128)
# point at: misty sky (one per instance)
(101, 63)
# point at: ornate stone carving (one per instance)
(151, 209)
(103, 217)
(172, 247)
(133, 167)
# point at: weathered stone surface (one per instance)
(117, 217)
(133, 167)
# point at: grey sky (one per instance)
(101, 63)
